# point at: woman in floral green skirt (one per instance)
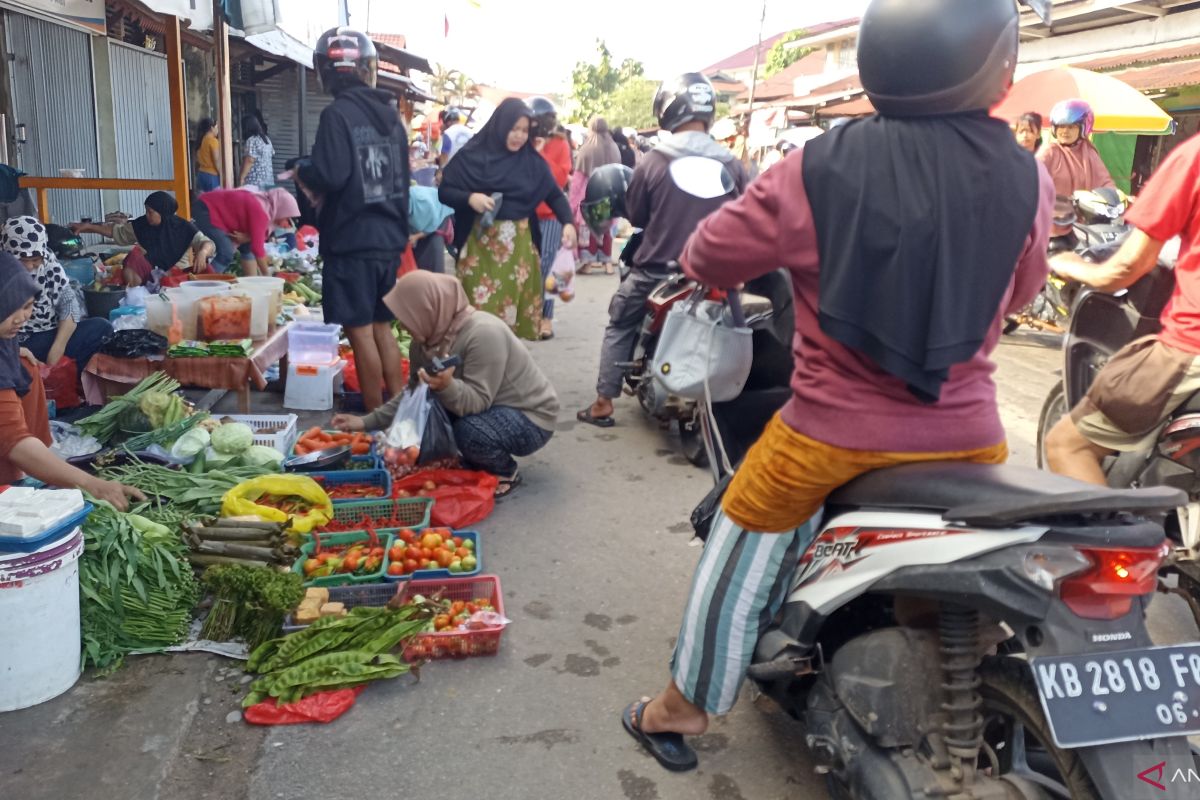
(495, 184)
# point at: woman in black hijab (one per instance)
(495, 184)
(165, 239)
(24, 423)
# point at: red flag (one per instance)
(446, 26)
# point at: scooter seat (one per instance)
(986, 495)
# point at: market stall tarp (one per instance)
(1118, 106)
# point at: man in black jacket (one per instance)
(359, 171)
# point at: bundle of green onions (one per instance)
(103, 424)
(194, 494)
(165, 435)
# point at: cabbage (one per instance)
(217, 460)
(261, 456)
(190, 444)
(232, 438)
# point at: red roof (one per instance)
(745, 58)
(782, 83)
(1162, 76)
(394, 39)
(1151, 56)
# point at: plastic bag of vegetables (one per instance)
(295, 499)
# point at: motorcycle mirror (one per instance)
(701, 177)
(1039, 7)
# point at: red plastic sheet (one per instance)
(319, 707)
(462, 497)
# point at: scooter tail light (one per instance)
(1106, 590)
(1045, 567)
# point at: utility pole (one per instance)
(762, 20)
(220, 34)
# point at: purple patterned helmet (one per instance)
(1074, 112)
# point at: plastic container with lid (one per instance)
(267, 294)
(223, 316)
(194, 290)
(313, 343)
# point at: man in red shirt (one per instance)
(1143, 384)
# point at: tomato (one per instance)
(410, 565)
(458, 541)
(407, 536)
(396, 553)
(443, 557)
(428, 564)
(426, 553)
(376, 552)
(350, 564)
(431, 541)
(457, 607)
(311, 565)
(323, 557)
(429, 486)
(395, 569)
(462, 552)
(412, 453)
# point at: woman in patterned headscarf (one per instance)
(57, 327)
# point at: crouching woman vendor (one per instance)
(24, 424)
(502, 404)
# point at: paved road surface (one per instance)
(595, 559)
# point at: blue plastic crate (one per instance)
(438, 574)
(373, 477)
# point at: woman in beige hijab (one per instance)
(501, 403)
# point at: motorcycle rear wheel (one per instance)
(1054, 409)
(1016, 729)
(691, 439)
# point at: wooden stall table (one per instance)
(109, 375)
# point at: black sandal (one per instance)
(506, 486)
(668, 749)
(599, 422)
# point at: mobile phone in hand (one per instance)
(440, 365)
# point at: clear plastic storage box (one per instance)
(313, 343)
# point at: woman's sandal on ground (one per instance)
(599, 422)
(669, 749)
(506, 486)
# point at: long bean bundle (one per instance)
(137, 589)
(193, 494)
(166, 434)
(103, 424)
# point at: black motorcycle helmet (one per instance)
(605, 196)
(684, 99)
(63, 242)
(937, 57)
(545, 117)
(451, 116)
(343, 57)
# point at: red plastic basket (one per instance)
(457, 644)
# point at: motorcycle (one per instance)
(1101, 324)
(1096, 219)
(966, 630)
(767, 304)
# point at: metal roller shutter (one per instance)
(52, 86)
(142, 109)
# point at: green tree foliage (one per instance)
(611, 91)
(780, 58)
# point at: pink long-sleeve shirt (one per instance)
(839, 396)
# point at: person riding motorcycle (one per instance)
(892, 346)
(1143, 383)
(1073, 161)
(685, 106)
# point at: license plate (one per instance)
(1120, 696)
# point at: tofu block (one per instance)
(306, 615)
(333, 610)
(317, 593)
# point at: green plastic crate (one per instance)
(338, 539)
(413, 512)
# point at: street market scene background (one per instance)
(533, 619)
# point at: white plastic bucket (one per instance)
(194, 290)
(39, 622)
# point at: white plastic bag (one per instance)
(402, 442)
(561, 280)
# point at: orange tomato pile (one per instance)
(432, 548)
(358, 559)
